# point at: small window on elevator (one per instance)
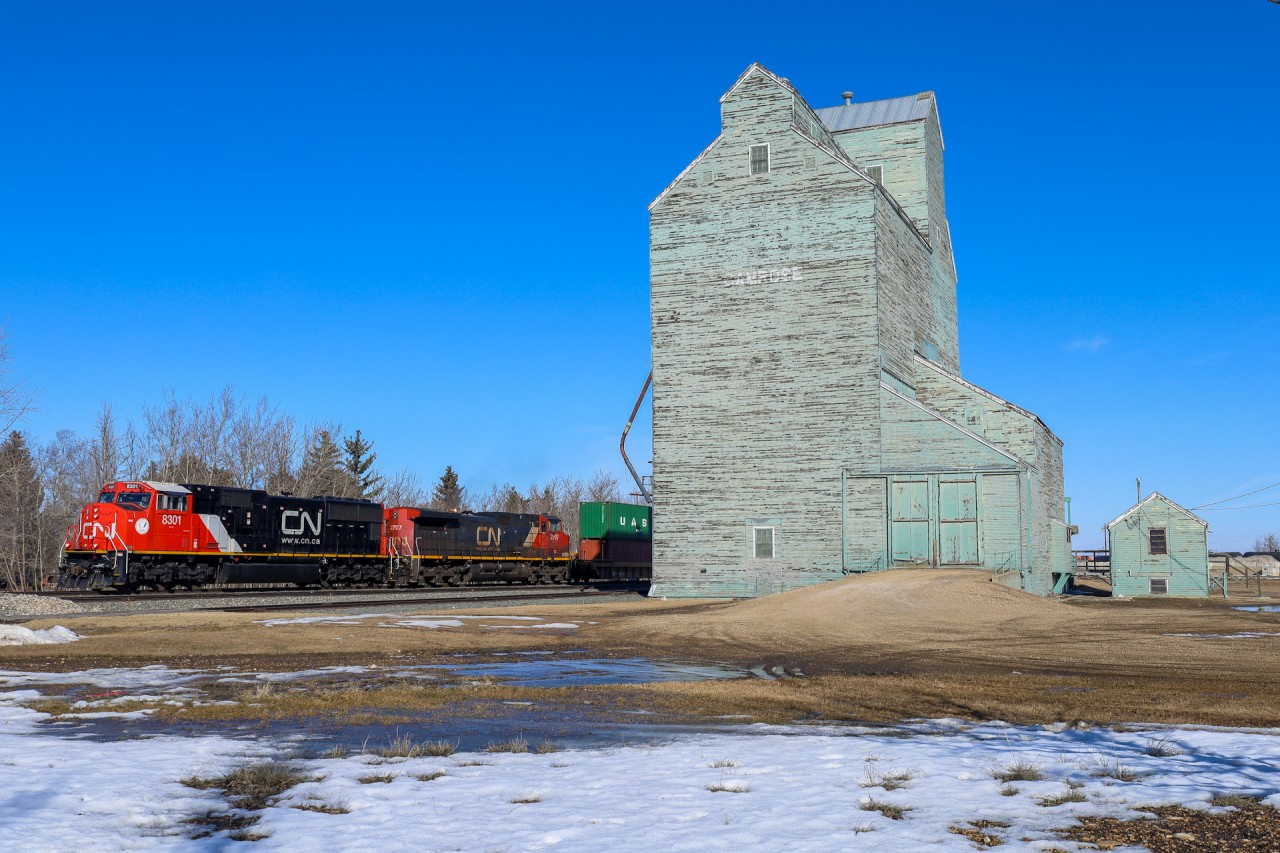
(760, 159)
(763, 540)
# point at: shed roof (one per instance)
(873, 113)
(1148, 499)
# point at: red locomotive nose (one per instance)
(99, 528)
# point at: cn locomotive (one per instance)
(141, 534)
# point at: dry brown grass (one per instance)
(868, 698)
(515, 744)
(893, 811)
(901, 644)
(1235, 800)
(252, 786)
(1071, 795)
(1018, 770)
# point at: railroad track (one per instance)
(454, 597)
(350, 597)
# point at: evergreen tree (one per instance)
(20, 501)
(359, 464)
(447, 494)
(322, 471)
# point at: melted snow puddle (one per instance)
(423, 620)
(97, 691)
(1260, 608)
(1240, 635)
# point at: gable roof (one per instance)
(875, 113)
(753, 68)
(1148, 499)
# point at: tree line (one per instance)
(225, 440)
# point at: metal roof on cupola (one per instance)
(852, 116)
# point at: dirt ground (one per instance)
(879, 647)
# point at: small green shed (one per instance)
(1159, 548)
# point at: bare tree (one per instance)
(504, 498)
(1267, 543)
(404, 489)
(209, 433)
(250, 445)
(104, 451)
(603, 486)
(167, 437)
(66, 473)
(281, 449)
(19, 515)
(15, 400)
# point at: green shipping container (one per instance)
(615, 521)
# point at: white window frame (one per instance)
(768, 159)
(1151, 586)
(773, 542)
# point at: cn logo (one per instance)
(295, 522)
(489, 536)
(94, 529)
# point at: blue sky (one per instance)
(314, 201)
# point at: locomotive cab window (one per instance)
(106, 497)
(134, 500)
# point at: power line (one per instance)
(1250, 506)
(1238, 497)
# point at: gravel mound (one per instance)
(35, 605)
(906, 608)
(939, 596)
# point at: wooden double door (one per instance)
(933, 520)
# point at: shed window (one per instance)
(1159, 586)
(763, 543)
(759, 159)
(1156, 540)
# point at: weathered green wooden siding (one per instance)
(789, 314)
(764, 337)
(1186, 566)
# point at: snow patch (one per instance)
(16, 635)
